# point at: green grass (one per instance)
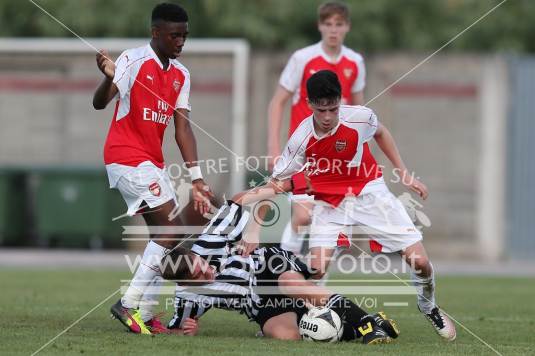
(37, 305)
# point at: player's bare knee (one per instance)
(290, 278)
(421, 266)
(300, 218)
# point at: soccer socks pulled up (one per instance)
(149, 299)
(291, 240)
(425, 288)
(148, 269)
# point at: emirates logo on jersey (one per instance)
(155, 189)
(348, 72)
(340, 145)
(176, 85)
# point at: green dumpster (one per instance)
(13, 198)
(75, 207)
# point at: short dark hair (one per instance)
(329, 9)
(168, 12)
(324, 86)
(176, 265)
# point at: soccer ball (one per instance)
(321, 324)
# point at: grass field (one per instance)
(37, 305)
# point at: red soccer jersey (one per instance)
(334, 162)
(147, 98)
(349, 67)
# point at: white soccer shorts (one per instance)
(144, 183)
(377, 216)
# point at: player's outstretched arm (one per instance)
(251, 239)
(266, 191)
(275, 112)
(107, 89)
(187, 144)
(387, 144)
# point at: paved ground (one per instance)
(40, 258)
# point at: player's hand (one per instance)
(248, 243)
(105, 64)
(190, 327)
(201, 196)
(416, 186)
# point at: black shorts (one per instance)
(275, 305)
(276, 262)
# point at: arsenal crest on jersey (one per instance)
(340, 145)
(348, 72)
(176, 85)
(155, 189)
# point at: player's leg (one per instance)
(320, 260)
(357, 322)
(156, 248)
(302, 204)
(395, 232)
(151, 185)
(323, 239)
(422, 275)
(282, 327)
(291, 275)
(423, 278)
(293, 237)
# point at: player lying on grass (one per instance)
(270, 285)
(350, 192)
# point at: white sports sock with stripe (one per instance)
(425, 287)
(148, 269)
(291, 240)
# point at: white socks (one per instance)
(150, 299)
(425, 288)
(148, 269)
(291, 240)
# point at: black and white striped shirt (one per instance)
(235, 286)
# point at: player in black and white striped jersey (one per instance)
(214, 245)
(269, 286)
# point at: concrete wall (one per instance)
(439, 115)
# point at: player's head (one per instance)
(186, 268)
(169, 23)
(324, 94)
(333, 23)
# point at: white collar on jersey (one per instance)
(330, 133)
(328, 58)
(155, 57)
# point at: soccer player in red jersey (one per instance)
(151, 88)
(329, 146)
(331, 54)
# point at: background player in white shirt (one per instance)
(331, 54)
(151, 88)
